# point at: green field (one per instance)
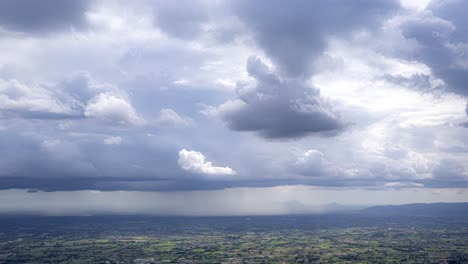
(314, 239)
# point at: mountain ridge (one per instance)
(419, 209)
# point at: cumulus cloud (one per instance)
(31, 101)
(113, 109)
(99, 100)
(113, 140)
(77, 96)
(442, 38)
(81, 87)
(194, 161)
(43, 16)
(282, 104)
(168, 116)
(294, 33)
(277, 108)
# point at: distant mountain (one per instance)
(420, 209)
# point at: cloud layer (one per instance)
(113, 95)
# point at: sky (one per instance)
(223, 107)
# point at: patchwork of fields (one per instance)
(282, 239)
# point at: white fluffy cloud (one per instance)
(194, 161)
(113, 109)
(170, 117)
(29, 100)
(76, 96)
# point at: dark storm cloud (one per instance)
(293, 33)
(42, 16)
(279, 108)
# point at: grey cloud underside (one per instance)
(293, 33)
(42, 16)
(281, 121)
(453, 11)
(277, 108)
(152, 184)
(60, 164)
(65, 161)
(181, 19)
(418, 81)
(443, 42)
(194, 19)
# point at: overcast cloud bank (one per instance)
(209, 95)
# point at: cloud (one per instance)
(403, 184)
(277, 108)
(183, 19)
(294, 34)
(31, 101)
(168, 116)
(43, 16)
(442, 38)
(282, 103)
(77, 96)
(113, 140)
(194, 161)
(139, 71)
(80, 86)
(212, 21)
(101, 101)
(313, 163)
(448, 169)
(113, 109)
(60, 158)
(417, 81)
